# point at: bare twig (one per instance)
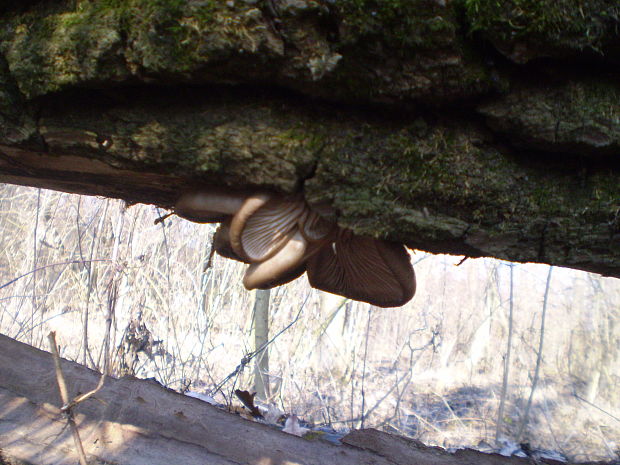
(364, 369)
(34, 266)
(538, 358)
(70, 262)
(106, 358)
(163, 218)
(502, 402)
(247, 358)
(64, 395)
(89, 270)
(112, 299)
(577, 396)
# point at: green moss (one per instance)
(410, 167)
(99, 40)
(368, 49)
(399, 23)
(443, 183)
(167, 33)
(563, 24)
(579, 117)
(419, 38)
(50, 52)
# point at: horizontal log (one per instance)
(471, 129)
(443, 188)
(139, 422)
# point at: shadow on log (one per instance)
(133, 421)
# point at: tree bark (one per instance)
(139, 422)
(480, 128)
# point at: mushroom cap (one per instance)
(221, 241)
(275, 281)
(263, 225)
(286, 264)
(209, 206)
(362, 268)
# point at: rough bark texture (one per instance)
(474, 127)
(139, 422)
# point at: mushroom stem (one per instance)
(211, 206)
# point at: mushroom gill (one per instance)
(273, 272)
(281, 238)
(268, 233)
(263, 225)
(362, 268)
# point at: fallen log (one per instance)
(139, 422)
(446, 126)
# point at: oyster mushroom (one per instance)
(281, 238)
(286, 265)
(362, 268)
(264, 224)
(276, 235)
(260, 275)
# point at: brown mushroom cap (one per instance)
(212, 206)
(263, 225)
(371, 270)
(285, 265)
(221, 242)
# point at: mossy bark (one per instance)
(424, 121)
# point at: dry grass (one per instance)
(431, 369)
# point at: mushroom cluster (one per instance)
(280, 237)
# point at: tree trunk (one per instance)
(480, 128)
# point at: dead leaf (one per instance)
(247, 400)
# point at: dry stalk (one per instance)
(538, 358)
(502, 401)
(88, 266)
(67, 407)
(34, 266)
(364, 370)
